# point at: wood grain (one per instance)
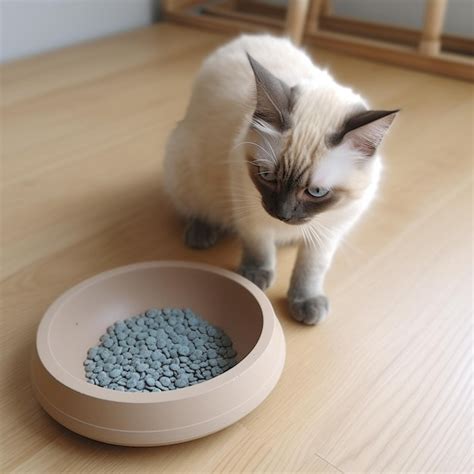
(372, 45)
(261, 12)
(385, 385)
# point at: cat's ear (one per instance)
(273, 97)
(365, 130)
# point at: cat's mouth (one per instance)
(287, 220)
(293, 221)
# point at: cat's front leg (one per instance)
(258, 260)
(306, 298)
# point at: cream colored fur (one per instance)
(206, 172)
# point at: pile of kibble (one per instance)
(159, 350)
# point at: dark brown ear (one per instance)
(365, 130)
(273, 97)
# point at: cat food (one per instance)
(157, 351)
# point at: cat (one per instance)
(273, 149)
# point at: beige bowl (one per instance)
(75, 321)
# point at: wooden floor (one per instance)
(385, 384)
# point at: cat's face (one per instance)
(310, 150)
(286, 187)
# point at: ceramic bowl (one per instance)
(76, 320)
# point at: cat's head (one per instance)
(312, 146)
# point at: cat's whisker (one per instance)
(246, 203)
(237, 162)
(319, 227)
(244, 194)
(309, 238)
(256, 162)
(255, 144)
(314, 239)
(244, 208)
(239, 219)
(239, 206)
(234, 201)
(250, 206)
(260, 160)
(240, 187)
(305, 237)
(261, 125)
(342, 248)
(320, 241)
(235, 191)
(236, 194)
(267, 142)
(336, 233)
(302, 234)
(242, 197)
(237, 197)
(238, 213)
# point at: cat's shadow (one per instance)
(149, 229)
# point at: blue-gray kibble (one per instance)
(114, 373)
(159, 350)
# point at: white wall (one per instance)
(33, 26)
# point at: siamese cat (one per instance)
(273, 149)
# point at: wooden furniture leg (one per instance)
(315, 11)
(435, 11)
(326, 10)
(296, 19)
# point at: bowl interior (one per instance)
(86, 311)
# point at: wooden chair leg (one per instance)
(435, 11)
(326, 10)
(296, 19)
(316, 9)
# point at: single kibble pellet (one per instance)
(159, 350)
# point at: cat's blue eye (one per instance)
(266, 175)
(317, 191)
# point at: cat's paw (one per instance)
(200, 234)
(311, 310)
(261, 277)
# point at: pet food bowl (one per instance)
(80, 316)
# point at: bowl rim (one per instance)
(65, 378)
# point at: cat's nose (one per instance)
(285, 208)
(284, 215)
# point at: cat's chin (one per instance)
(294, 222)
(291, 221)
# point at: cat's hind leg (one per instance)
(200, 234)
